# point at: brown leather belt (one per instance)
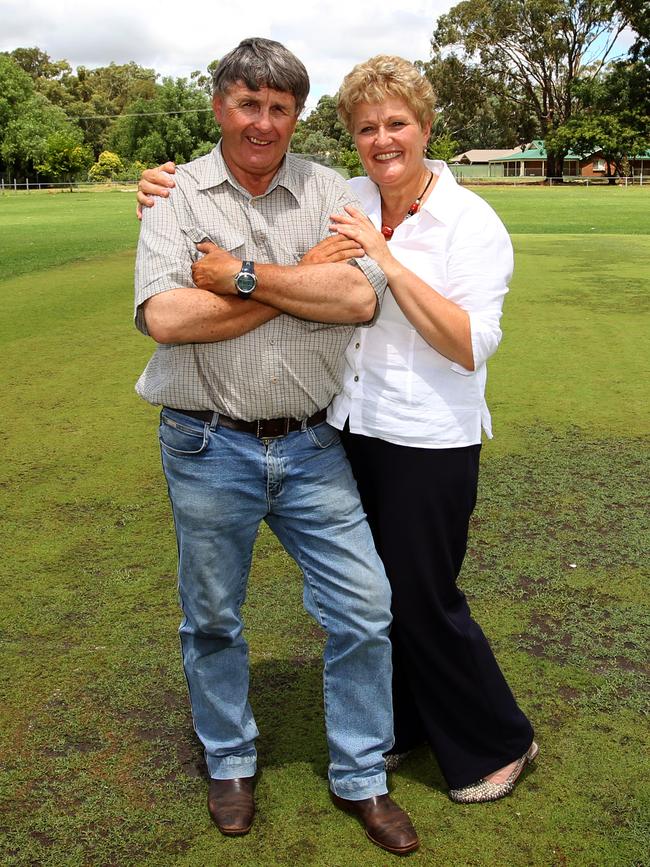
(263, 428)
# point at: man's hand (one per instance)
(216, 271)
(336, 248)
(154, 182)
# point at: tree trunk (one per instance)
(611, 179)
(554, 167)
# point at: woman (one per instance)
(411, 411)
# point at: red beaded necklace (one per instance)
(386, 231)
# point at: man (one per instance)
(250, 353)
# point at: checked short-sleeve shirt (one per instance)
(286, 367)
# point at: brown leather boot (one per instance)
(231, 805)
(386, 824)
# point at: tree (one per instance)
(27, 118)
(50, 77)
(98, 96)
(306, 142)
(474, 110)
(24, 143)
(16, 87)
(637, 13)
(534, 50)
(324, 119)
(615, 115)
(349, 159)
(38, 64)
(95, 97)
(64, 157)
(174, 124)
(323, 135)
(204, 81)
(442, 147)
(107, 167)
(587, 135)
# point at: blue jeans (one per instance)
(222, 484)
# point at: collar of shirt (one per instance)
(217, 172)
(441, 203)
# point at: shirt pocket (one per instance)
(233, 242)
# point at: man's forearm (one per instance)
(329, 292)
(194, 316)
(323, 293)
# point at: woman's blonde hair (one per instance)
(381, 77)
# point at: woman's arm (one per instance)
(443, 324)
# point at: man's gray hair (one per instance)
(263, 63)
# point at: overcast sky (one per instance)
(329, 36)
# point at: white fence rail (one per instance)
(30, 185)
(567, 181)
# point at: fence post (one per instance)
(15, 187)
(27, 184)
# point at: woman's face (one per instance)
(390, 141)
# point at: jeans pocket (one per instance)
(179, 438)
(324, 435)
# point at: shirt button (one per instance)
(272, 342)
(356, 379)
(357, 345)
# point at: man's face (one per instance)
(256, 128)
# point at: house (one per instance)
(640, 165)
(476, 163)
(531, 162)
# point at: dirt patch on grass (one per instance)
(570, 508)
(570, 500)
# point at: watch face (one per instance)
(246, 282)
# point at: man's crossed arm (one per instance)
(322, 288)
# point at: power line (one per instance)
(137, 114)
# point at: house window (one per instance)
(599, 165)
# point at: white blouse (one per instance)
(397, 387)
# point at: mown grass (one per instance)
(41, 229)
(571, 209)
(100, 765)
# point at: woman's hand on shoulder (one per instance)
(154, 182)
(355, 225)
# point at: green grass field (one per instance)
(99, 762)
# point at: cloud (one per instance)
(335, 43)
(328, 37)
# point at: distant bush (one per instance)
(107, 167)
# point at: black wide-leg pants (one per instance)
(448, 689)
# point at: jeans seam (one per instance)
(182, 607)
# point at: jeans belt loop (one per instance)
(215, 421)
